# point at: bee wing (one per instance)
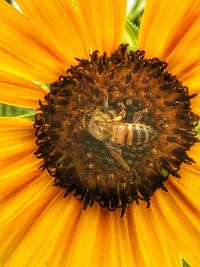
(104, 127)
(117, 155)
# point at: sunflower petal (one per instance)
(55, 20)
(191, 79)
(21, 184)
(194, 154)
(120, 244)
(18, 91)
(100, 27)
(179, 210)
(176, 40)
(195, 104)
(36, 206)
(17, 175)
(180, 213)
(23, 50)
(18, 216)
(16, 139)
(149, 240)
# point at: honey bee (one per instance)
(106, 126)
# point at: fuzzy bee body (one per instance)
(107, 127)
(126, 133)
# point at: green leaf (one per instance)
(185, 264)
(45, 86)
(198, 128)
(131, 35)
(165, 172)
(135, 14)
(30, 116)
(12, 111)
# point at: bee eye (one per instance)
(88, 114)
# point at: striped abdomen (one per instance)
(130, 133)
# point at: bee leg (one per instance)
(105, 104)
(117, 119)
(121, 104)
(122, 113)
(116, 153)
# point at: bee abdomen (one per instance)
(141, 134)
(132, 134)
(119, 133)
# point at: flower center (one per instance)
(114, 128)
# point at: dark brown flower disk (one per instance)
(80, 163)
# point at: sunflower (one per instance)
(105, 85)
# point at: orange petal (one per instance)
(180, 212)
(195, 104)
(104, 23)
(18, 174)
(28, 212)
(16, 140)
(194, 153)
(19, 92)
(148, 238)
(191, 79)
(179, 209)
(19, 214)
(23, 51)
(175, 38)
(128, 241)
(77, 238)
(58, 23)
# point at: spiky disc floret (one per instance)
(80, 163)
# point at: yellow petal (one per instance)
(15, 124)
(48, 221)
(173, 34)
(104, 23)
(149, 240)
(194, 153)
(191, 79)
(19, 214)
(23, 50)
(19, 92)
(16, 140)
(75, 237)
(179, 209)
(18, 174)
(106, 244)
(58, 23)
(83, 242)
(130, 241)
(180, 212)
(195, 104)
